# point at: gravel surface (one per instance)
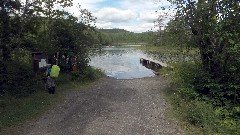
(109, 107)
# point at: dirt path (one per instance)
(109, 107)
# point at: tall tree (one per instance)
(215, 28)
(215, 31)
(7, 8)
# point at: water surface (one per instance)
(122, 62)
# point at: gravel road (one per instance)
(109, 107)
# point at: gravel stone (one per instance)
(109, 107)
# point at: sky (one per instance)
(132, 15)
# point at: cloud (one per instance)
(142, 27)
(114, 15)
(132, 15)
(88, 4)
(104, 25)
(139, 28)
(148, 17)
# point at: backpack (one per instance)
(55, 71)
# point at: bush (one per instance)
(21, 80)
(200, 113)
(189, 94)
(203, 100)
(198, 83)
(92, 73)
(88, 73)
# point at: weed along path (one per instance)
(109, 107)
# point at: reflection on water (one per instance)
(151, 66)
(121, 62)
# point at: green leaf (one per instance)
(231, 41)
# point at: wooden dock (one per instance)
(152, 63)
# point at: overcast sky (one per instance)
(131, 15)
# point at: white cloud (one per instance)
(104, 25)
(148, 17)
(114, 15)
(85, 4)
(139, 5)
(132, 15)
(88, 4)
(140, 28)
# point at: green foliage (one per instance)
(37, 26)
(193, 77)
(176, 34)
(21, 79)
(15, 111)
(214, 31)
(189, 93)
(89, 73)
(92, 74)
(200, 117)
(118, 36)
(202, 101)
(211, 26)
(200, 113)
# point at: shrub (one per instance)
(88, 73)
(21, 80)
(196, 81)
(204, 101)
(92, 73)
(200, 113)
(189, 94)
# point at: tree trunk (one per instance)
(5, 33)
(204, 56)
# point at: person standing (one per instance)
(50, 85)
(50, 81)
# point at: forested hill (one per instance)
(113, 30)
(121, 36)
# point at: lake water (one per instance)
(121, 62)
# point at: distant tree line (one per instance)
(118, 36)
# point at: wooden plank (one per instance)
(154, 61)
(160, 63)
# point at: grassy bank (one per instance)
(167, 49)
(16, 111)
(197, 113)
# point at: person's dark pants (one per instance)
(51, 90)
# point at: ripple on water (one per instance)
(121, 63)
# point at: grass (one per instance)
(195, 115)
(177, 112)
(180, 108)
(167, 49)
(16, 111)
(179, 104)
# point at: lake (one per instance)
(121, 62)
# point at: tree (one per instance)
(7, 8)
(38, 26)
(208, 21)
(215, 31)
(50, 12)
